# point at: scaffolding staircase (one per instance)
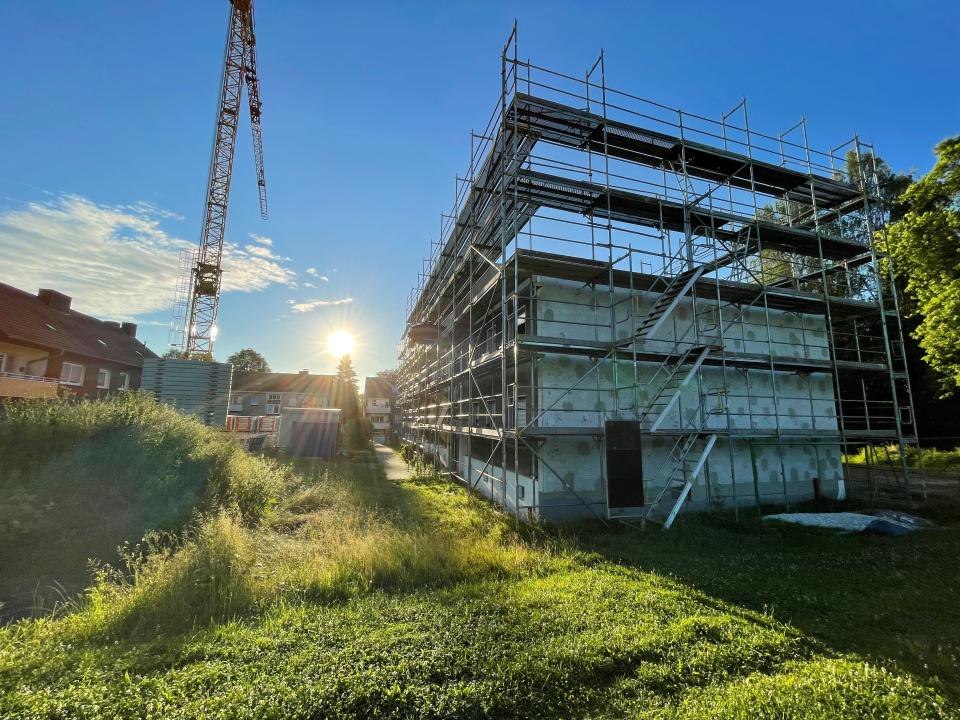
(678, 287)
(675, 373)
(682, 283)
(671, 387)
(677, 476)
(677, 370)
(674, 473)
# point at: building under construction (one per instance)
(633, 308)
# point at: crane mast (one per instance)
(239, 70)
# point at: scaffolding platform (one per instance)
(557, 123)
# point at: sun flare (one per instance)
(340, 343)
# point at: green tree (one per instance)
(173, 353)
(925, 245)
(248, 360)
(882, 180)
(347, 398)
(780, 266)
(346, 373)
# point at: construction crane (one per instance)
(239, 68)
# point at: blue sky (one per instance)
(109, 107)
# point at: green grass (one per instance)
(349, 596)
(926, 458)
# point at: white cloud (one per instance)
(144, 207)
(115, 261)
(262, 239)
(311, 305)
(261, 251)
(317, 275)
(309, 285)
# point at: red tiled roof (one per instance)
(27, 319)
(302, 383)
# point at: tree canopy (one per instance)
(248, 360)
(347, 398)
(345, 371)
(925, 245)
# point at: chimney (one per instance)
(129, 328)
(57, 301)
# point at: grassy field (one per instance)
(337, 593)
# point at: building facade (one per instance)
(635, 310)
(378, 406)
(48, 349)
(255, 394)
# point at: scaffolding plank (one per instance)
(565, 125)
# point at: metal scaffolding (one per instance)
(662, 289)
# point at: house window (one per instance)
(103, 379)
(254, 400)
(123, 381)
(273, 397)
(273, 409)
(71, 374)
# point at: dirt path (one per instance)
(393, 466)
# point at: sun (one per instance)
(340, 343)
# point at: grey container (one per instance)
(194, 387)
(309, 432)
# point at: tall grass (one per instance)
(327, 540)
(926, 458)
(260, 531)
(129, 442)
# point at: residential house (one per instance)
(254, 394)
(378, 395)
(47, 348)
